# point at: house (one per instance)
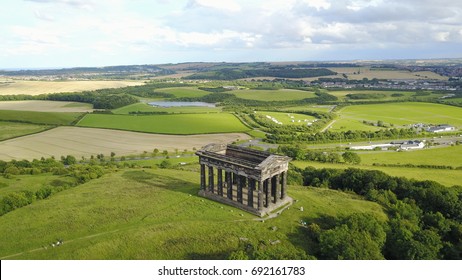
(410, 145)
(440, 128)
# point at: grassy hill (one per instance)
(156, 214)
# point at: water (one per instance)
(168, 104)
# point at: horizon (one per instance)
(89, 33)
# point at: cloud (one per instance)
(81, 4)
(223, 5)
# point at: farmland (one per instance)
(273, 95)
(14, 87)
(443, 176)
(156, 214)
(143, 107)
(50, 118)
(45, 106)
(13, 129)
(359, 73)
(90, 141)
(179, 92)
(182, 124)
(398, 114)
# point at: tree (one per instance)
(350, 157)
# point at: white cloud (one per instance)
(224, 5)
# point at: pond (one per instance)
(168, 104)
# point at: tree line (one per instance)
(424, 217)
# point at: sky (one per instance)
(78, 33)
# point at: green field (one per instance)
(286, 118)
(156, 214)
(167, 124)
(448, 156)
(314, 108)
(443, 176)
(398, 114)
(341, 94)
(51, 118)
(13, 129)
(184, 91)
(30, 183)
(143, 107)
(273, 95)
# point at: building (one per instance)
(441, 128)
(253, 181)
(409, 145)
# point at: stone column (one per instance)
(220, 182)
(202, 176)
(277, 193)
(266, 188)
(240, 185)
(260, 195)
(284, 185)
(211, 178)
(250, 192)
(273, 188)
(229, 184)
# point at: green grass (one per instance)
(12, 129)
(184, 91)
(448, 156)
(30, 183)
(341, 94)
(168, 124)
(286, 119)
(443, 176)
(273, 95)
(156, 214)
(143, 107)
(314, 108)
(398, 114)
(51, 118)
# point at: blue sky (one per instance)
(70, 33)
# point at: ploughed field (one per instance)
(45, 106)
(13, 87)
(80, 141)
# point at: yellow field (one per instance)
(13, 87)
(366, 72)
(45, 106)
(91, 141)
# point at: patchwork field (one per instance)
(45, 106)
(382, 95)
(13, 129)
(51, 118)
(273, 95)
(143, 107)
(447, 156)
(156, 214)
(398, 114)
(13, 87)
(359, 73)
(184, 91)
(168, 124)
(90, 141)
(443, 176)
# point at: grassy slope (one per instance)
(168, 124)
(51, 118)
(12, 129)
(443, 176)
(449, 156)
(351, 117)
(156, 214)
(184, 92)
(286, 120)
(30, 183)
(273, 95)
